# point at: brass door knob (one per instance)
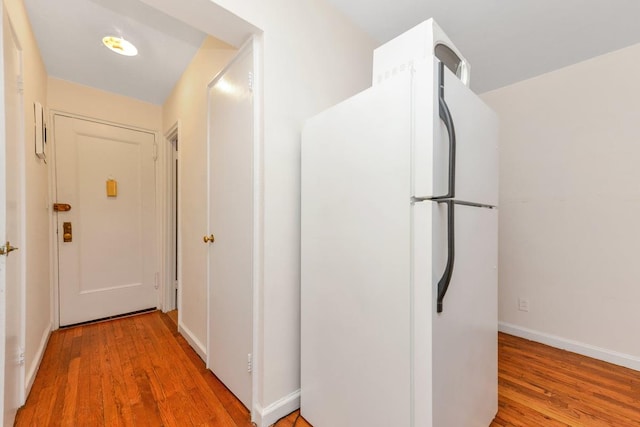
(209, 239)
(67, 232)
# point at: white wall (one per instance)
(188, 104)
(36, 246)
(570, 206)
(86, 101)
(313, 58)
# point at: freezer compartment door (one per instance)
(464, 343)
(456, 139)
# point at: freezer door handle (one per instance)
(445, 116)
(445, 280)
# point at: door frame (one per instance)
(53, 186)
(255, 43)
(22, 149)
(165, 168)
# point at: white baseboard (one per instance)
(193, 341)
(621, 359)
(278, 409)
(35, 365)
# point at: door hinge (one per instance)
(156, 280)
(20, 356)
(20, 84)
(249, 363)
(6, 249)
(250, 81)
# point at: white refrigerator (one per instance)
(399, 254)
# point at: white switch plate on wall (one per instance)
(523, 304)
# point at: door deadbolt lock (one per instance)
(67, 233)
(61, 207)
(209, 239)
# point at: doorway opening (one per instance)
(172, 294)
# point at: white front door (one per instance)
(106, 241)
(11, 173)
(231, 222)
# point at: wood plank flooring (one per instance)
(136, 371)
(544, 386)
(139, 371)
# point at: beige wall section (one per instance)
(313, 58)
(570, 202)
(188, 104)
(95, 103)
(36, 247)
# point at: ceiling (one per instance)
(69, 34)
(504, 40)
(507, 41)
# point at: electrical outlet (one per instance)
(523, 304)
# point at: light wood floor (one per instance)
(139, 371)
(543, 386)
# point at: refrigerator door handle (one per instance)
(445, 280)
(445, 116)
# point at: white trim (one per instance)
(55, 112)
(22, 198)
(258, 224)
(197, 346)
(617, 358)
(165, 166)
(53, 224)
(33, 370)
(3, 204)
(278, 409)
(158, 172)
(20, 238)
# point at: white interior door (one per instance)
(231, 222)
(11, 227)
(107, 266)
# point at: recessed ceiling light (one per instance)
(120, 45)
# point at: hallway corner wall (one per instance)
(188, 104)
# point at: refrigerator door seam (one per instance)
(457, 202)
